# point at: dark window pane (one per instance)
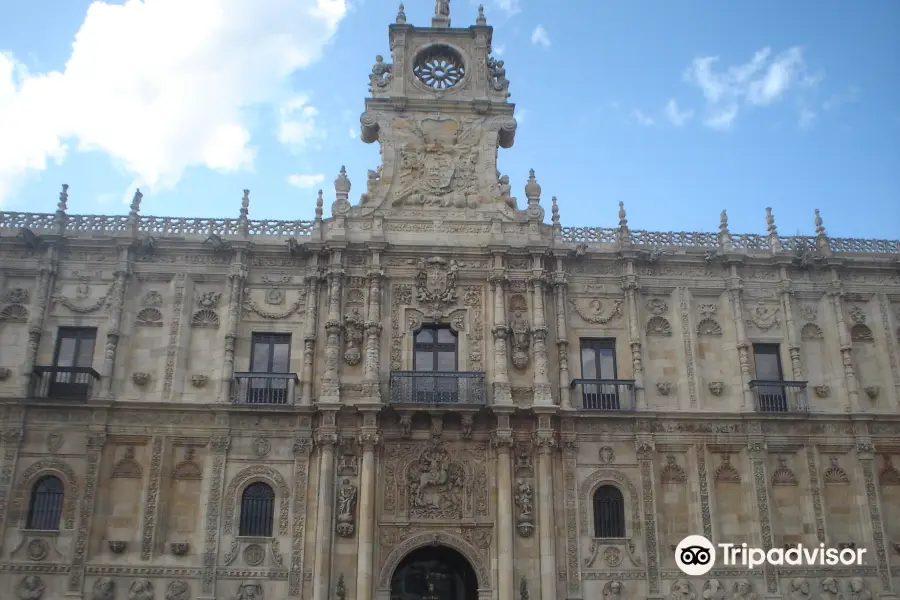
(257, 510)
(767, 362)
(280, 358)
(260, 358)
(45, 504)
(425, 337)
(446, 361)
(588, 363)
(85, 356)
(424, 360)
(609, 513)
(607, 364)
(66, 355)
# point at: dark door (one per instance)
(434, 573)
(72, 360)
(598, 363)
(270, 354)
(435, 351)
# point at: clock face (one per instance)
(439, 67)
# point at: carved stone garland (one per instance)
(219, 447)
(816, 493)
(892, 352)
(645, 461)
(150, 508)
(594, 312)
(303, 446)
(570, 465)
(760, 484)
(174, 331)
(704, 491)
(884, 571)
(95, 444)
(688, 345)
(11, 439)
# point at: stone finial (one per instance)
(554, 211)
(245, 203)
(342, 185)
(774, 240)
(822, 243)
(401, 15)
(725, 235)
(320, 202)
(63, 199)
(532, 189)
(623, 222)
(481, 20)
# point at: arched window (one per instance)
(45, 505)
(609, 512)
(257, 510)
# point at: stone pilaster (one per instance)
(644, 448)
(365, 566)
(502, 440)
(756, 448)
(570, 503)
(866, 454)
(891, 341)
(787, 305)
(703, 481)
(835, 295)
(331, 388)
(303, 445)
(735, 290)
(631, 285)
(12, 442)
(500, 331)
(560, 284)
(310, 335)
(114, 322)
(542, 394)
(95, 442)
(326, 440)
(372, 360)
(151, 501)
(236, 279)
(45, 278)
(545, 441)
(218, 446)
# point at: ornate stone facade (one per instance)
(497, 458)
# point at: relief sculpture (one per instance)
(435, 486)
(436, 282)
(346, 508)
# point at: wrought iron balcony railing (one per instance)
(780, 396)
(610, 395)
(437, 387)
(63, 383)
(263, 388)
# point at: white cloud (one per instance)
(498, 49)
(305, 181)
(851, 94)
(297, 122)
(764, 80)
(676, 116)
(641, 119)
(161, 85)
(540, 36)
(521, 115)
(510, 7)
(353, 133)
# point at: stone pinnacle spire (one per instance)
(441, 16)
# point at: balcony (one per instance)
(63, 383)
(436, 387)
(604, 395)
(271, 389)
(779, 396)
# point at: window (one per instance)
(767, 362)
(435, 351)
(609, 512)
(45, 505)
(598, 362)
(72, 358)
(270, 353)
(257, 510)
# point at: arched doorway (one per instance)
(434, 573)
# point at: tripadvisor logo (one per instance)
(695, 555)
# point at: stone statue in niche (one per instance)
(435, 486)
(613, 590)
(347, 495)
(525, 503)
(30, 588)
(141, 589)
(249, 591)
(520, 331)
(714, 590)
(682, 590)
(353, 336)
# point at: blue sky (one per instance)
(679, 109)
